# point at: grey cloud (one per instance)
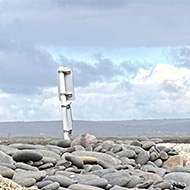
(97, 23)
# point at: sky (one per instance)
(130, 58)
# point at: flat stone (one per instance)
(104, 160)
(117, 187)
(142, 158)
(180, 177)
(7, 149)
(83, 187)
(52, 186)
(24, 166)
(126, 153)
(6, 172)
(4, 158)
(180, 169)
(26, 155)
(41, 184)
(164, 185)
(49, 160)
(150, 176)
(120, 178)
(64, 143)
(148, 144)
(22, 146)
(103, 172)
(89, 160)
(48, 153)
(107, 145)
(134, 181)
(75, 160)
(45, 166)
(62, 180)
(94, 180)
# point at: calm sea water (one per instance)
(165, 127)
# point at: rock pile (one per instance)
(89, 164)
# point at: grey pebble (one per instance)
(142, 157)
(52, 186)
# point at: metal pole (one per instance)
(66, 130)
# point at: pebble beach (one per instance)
(90, 163)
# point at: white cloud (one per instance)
(162, 92)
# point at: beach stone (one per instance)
(44, 183)
(173, 161)
(117, 187)
(26, 155)
(89, 160)
(105, 160)
(22, 146)
(49, 160)
(154, 156)
(62, 188)
(24, 166)
(24, 177)
(134, 181)
(8, 150)
(83, 187)
(116, 148)
(164, 185)
(45, 166)
(120, 178)
(11, 166)
(75, 160)
(135, 143)
(79, 148)
(142, 158)
(143, 139)
(125, 160)
(48, 153)
(158, 162)
(64, 143)
(96, 167)
(6, 172)
(148, 144)
(180, 169)
(94, 180)
(4, 158)
(107, 145)
(98, 148)
(103, 172)
(180, 177)
(52, 186)
(126, 153)
(150, 176)
(85, 140)
(145, 184)
(156, 140)
(71, 149)
(163, 155)
(62, 180)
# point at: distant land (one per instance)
(131, 128)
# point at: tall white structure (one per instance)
(66, 95)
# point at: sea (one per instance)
(129, 128)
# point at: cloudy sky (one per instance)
(130, 58)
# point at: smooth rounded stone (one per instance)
(22, 146)
(83, 187)
(45, 166)
(71, 175)
(4, 158)
(142, 158)
(49, 160)
(105, 160)
(89, 148)
(52, 186)
(154, 156)
(116, 148)
(107, 145)
(96, 167)
(52, 148)
(62, 180)
(43, 183)
(156, 140)
(103, 172)
(24, 166)
(85, 140)
(26, 155)
(125, 160)
(79, 148)
(180, 169)
(27, 182)
(48, 153)
(62, 188)
(6, 172)
(63, 162)
(135, 143)
(150, 176)
(143, 139)
(120, 178)
(19, 174)
(90, 179)
(181, 177)
(7, 149)
(64, 143)
(134, 181)
(87, 168)
(173, 161)
(98, 148)
(163, 155)
(38, 163)
(70, 149)
(89, 160)
(117, 187)
(50, 171)
(11, 166)
(137, 149)
(145, 184)
(164, 185)
(75, 160)
(126, 153)
(54, 142)
(148, 144)
(158, 162)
